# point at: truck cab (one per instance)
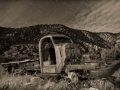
(51, 52)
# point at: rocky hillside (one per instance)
(19, 37)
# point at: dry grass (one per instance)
(10, 82)
(27, 82)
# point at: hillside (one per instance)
(26, 38)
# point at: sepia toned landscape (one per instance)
(59, 45)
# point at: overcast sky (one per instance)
(92, 15)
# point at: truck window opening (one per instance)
(58, 40)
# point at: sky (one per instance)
(91, 15)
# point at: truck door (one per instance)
(49, 57)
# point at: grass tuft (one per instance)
(27, 82)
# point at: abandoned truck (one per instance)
(58, 55)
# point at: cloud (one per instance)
(101, 16)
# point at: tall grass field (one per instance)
(28, 82)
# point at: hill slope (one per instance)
(32, 34)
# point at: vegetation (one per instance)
(21, 43)
(32, 34)
(10, 82)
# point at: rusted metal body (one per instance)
(58, 54)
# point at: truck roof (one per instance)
(55, 35)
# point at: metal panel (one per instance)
(49, 69)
